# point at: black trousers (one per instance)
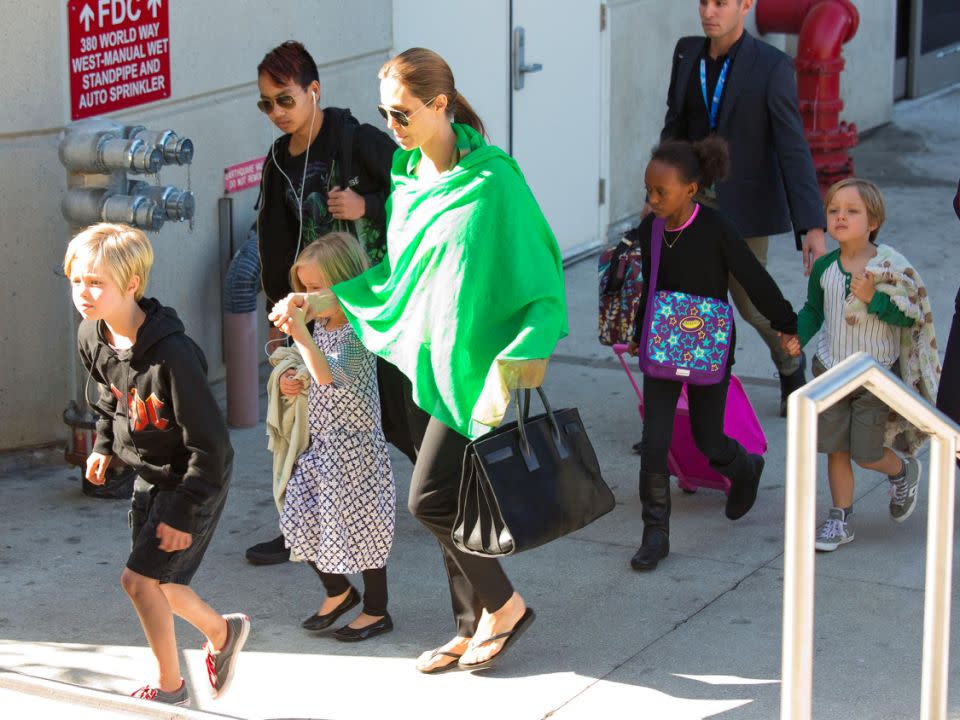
(475, 582)
(374, 588)
(393, 388)
(707, 405)
(948, 396)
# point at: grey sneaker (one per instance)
(177, 697)
(221, 663)
(834, 532)
(903, 491)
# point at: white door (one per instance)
(556, 114)
(478, 51)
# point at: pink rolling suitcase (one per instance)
(684, 460)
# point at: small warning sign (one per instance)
(119, 54)
(243, 175)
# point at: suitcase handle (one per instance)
(621, 350)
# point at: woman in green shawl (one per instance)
(468, 304)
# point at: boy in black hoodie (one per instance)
(156, 414)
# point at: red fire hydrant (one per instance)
(823, 27)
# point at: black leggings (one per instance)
(374, 588)
(707, 405)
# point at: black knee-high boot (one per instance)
(655, 500)
(744, 473)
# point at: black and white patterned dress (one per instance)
(340, 507)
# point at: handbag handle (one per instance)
(523, 414)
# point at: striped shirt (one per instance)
(878, 333)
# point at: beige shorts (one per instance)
(854, 424)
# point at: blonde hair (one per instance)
(121, 251)
(339, 256)
(872, 200)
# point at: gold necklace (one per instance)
(675, 237)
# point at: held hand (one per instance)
(281, 312)
(289, 385)
(633, 348)
(790, 344)
(97, 464)
(346, 204)
(171, 539)
(814, 245)
(861, 285)
(522, 374)
(296, 325)
(321, 304)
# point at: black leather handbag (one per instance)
(528, 482)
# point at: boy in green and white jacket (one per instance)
(866, 298)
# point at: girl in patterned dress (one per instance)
(338, 515)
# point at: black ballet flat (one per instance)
(322, 622)
(349, 634)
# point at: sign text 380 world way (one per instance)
(119, 54)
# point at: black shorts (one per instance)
(147, 509)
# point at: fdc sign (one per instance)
(119, 54)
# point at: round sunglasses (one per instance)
(401, 117)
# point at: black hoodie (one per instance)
(364, 167)
(156, 410)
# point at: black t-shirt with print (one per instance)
(370, 160)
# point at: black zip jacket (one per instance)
(156, 410)
(363, 167)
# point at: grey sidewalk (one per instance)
(699, 637)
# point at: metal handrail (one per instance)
(803, 407)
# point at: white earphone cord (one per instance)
(303, 182)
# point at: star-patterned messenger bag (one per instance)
(684, 337)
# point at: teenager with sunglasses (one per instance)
(469, 306)
(327, 172)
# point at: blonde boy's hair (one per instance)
(871, 196)
(339, 256)
(121, 251)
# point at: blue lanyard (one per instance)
(714, 107)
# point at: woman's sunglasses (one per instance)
(401, 117)
(284, 101)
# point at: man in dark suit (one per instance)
(744, 90)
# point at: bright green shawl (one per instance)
(473, 276)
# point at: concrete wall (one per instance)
(214, 47)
